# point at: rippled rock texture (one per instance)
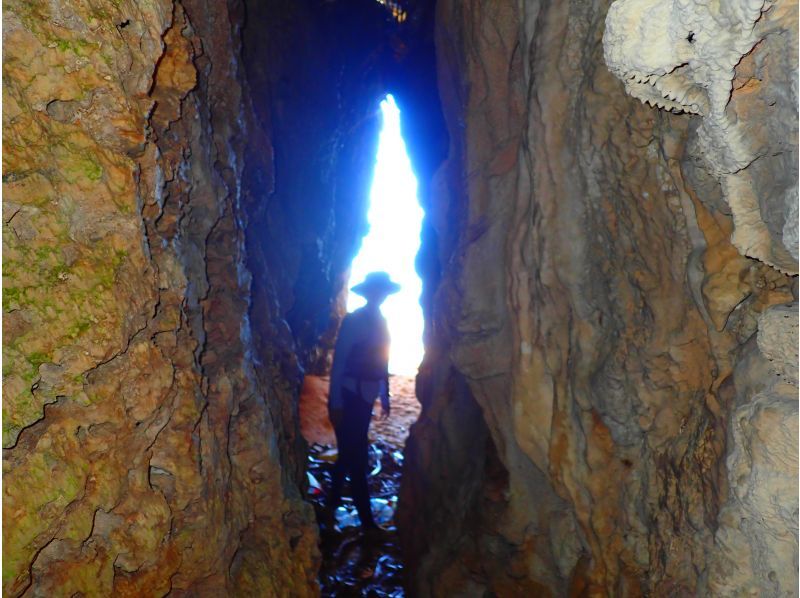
(607, 407)
(140, 457)
(610, 389)
(185, 184)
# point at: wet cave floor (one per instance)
(355, 565)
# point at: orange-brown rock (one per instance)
(610, 387)
(140, 456)
(579, 393)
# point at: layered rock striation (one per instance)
(185, 184)
(168, 271)
(607, 409)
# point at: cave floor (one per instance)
(353, 565)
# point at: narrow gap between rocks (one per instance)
(352, 563)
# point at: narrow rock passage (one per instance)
(352, 564)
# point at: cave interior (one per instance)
(609, 267)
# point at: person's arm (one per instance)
(385, 405)
(344, 342)
(386, 408)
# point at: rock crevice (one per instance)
(610, 386)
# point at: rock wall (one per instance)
(185, 184)
(142, 453)
(689, 56)
(609, 391)
(600, 412)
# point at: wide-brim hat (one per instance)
(376, 281)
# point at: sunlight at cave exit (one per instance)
(395, 219)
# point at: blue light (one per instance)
(395, 219)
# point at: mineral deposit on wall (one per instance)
(139, 455)
(615, 332)
(610, 386)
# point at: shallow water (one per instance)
(353, 565)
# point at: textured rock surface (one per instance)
(755, 549)
(689, 56)
(742, 68)
(140, 454)
(184, 186)
(609, 395)
(585, 369)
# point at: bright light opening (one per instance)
(395, 219)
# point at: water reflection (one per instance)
(355, 565)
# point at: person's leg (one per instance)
(346, 450)
(339, 472)
(362, 414)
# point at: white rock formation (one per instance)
(777, 340)
(734, 64)
(681, 55)
(756, 544)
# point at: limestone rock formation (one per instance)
(755, 549)
(141, 457)
(593, 318)
(739, 64)
(733, 63)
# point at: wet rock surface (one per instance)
(354, 564)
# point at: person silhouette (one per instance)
(359, 375)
